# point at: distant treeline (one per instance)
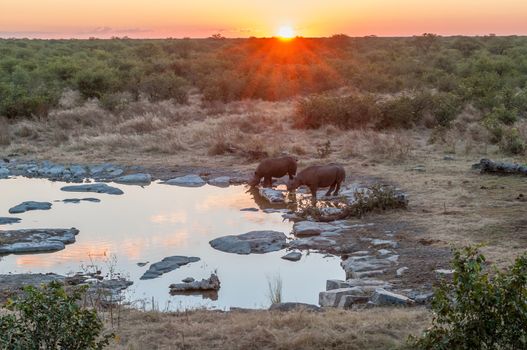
(488, 72)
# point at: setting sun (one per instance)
(286, 32)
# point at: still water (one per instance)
(152, 222)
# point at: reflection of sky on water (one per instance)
(148, 224)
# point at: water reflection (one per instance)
(148, 224)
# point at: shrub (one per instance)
(164, 86)
(349, 112)
(478, 310)
(50, 318)
(95, 82)
(503, 115)
(512, 142)
(445, 108)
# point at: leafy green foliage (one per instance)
(50, 318)
(479, 309)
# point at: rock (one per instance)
(489, 166)
(166, 265)
(342, 297)
(293, 256)
(449, 157)
(35, 240)
(310, 228)
(384, 251)
(78, 171)
(210, 284)
(286, 307)
(188, 280)
(250, 209)
(383, 242)
(9, 221)
(315, 243)
(96, 188)
(366, 283)
(78, 200)
(421, 297)
(401, 271)
(419, 168)
(52, 171)
(384, 297)
(444, 272)
(134, 179)
(4, 173)
(272, 195)
(273, 210)
(222, 181)
(251, 242)
(141, 264)
(105, 171)
(186, 181)
(368, 274)
(356, 264)
(12, 283)
(30, 205)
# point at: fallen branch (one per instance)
(489, 166)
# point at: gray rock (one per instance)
(186, 181)
(141, 264)
(449, 157)
(272, 195)
(188, 280)
(384, 297)
(444, 272)
(286, 307)
(310, 228)
(366, 283)
(134, 179)
(251, 242)
(273, 210)
(53, 171)
(384, 251)
(222, 181)
(368, 274)
(383, 242)
(8, 221)
(250, 209)
(166, 265)
(30, 205)
(14, 281)
(419, 168)
(401, 271)
(315, 243)
(35, 240)
(78, 171)
(356, 264)
(4, 173)
(210, 284)
(78, 200)
(293, 256)
(342, 297)
(95, 188)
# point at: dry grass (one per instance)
(5, 138)
(333, 329)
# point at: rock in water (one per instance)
(8, 221)
(292, 256)
(35, 240)
(30, 205)
(210, 284)
(222, 181)
(96, 188)
(310, 228)
(272, 196)
(4, 173)
(186, 181)
(134, 179)
(259, 242)
(166, 265)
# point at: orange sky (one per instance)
(242, 18)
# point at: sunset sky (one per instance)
(242, 18)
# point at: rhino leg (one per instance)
(337, 189)
(268, 181)
(331, 188)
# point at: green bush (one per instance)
(404, 112)
(164, 86)
(50, 318)
(479, 309)
(445, 108)
(512, 142)
(96, 82)
(349, 112)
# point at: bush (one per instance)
(445, 108)
(512, 142)
(164, 86)
(95, 82)
(349, 112)
(50, 318)
(479, 310)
